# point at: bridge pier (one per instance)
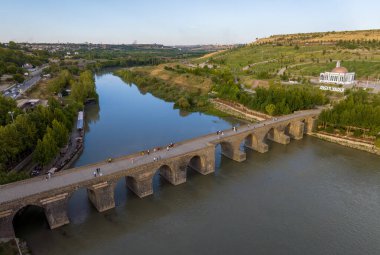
(180, 174)
(141, 185)
(6, 224)
(278, 136)
(232, 150)
(253, 143)
(101, 195)
(296, 130)
(56, 210)
(310, 125)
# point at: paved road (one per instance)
(27, 84)
(81, 175)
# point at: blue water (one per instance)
(127, 121)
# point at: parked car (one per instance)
(35, 173)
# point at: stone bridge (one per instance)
(199, 153)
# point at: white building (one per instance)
(339, 75)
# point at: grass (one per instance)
(39, 91)
(186, 81)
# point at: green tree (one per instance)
(183, 103)
(46, 149)
(7, 105)
(12, 45)
(84, 88)
(63, 80)
(59, 133)
(270, 109)
(27, 131)
(18, 77)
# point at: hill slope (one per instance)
(322, 37)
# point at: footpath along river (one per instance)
(308, 197)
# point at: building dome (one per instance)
(340, 69)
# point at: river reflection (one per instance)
(308, 197)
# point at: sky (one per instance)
(178, 22)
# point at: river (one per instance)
(308, 197)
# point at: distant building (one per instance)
(339, 75)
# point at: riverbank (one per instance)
(189, 99)
(348, 143)
(238, 110)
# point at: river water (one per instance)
(308, 197)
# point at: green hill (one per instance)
(302, 56)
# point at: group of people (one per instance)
(171, 145)
(220, 132)
(156, 149)
(97, 172)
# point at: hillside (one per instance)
(261, 64)
(322, 37)
(301, 61)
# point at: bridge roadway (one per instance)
(16, 195)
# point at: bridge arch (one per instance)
(287, 128)
(226, 147)
(161, 176)
(197, 163)
(31, 215)
(250, 140)
(231, 149)
(166, 172)
(270, 134)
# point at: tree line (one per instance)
(275, 100)
(359, 113)
(19, 138)
(42, 131)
